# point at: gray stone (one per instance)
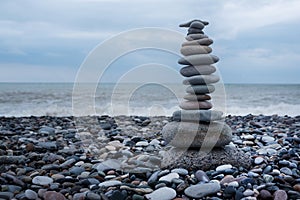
(200, 42)
(93, 196)
(280, 195)
(200, 97)
(180, 171)
(51, 195)
(42, 180)
(47, 130)
(201, 79)
(196, 36)
(197, 24)
(197, 115)
(196, 159)
(201, 176)
(142, 143)
(202, 190)
(265, 195)
(189, 71)
(12, 159)
(30, 194)
(110, 183)
(267, 139)
(223, 167)
(199, 59)
(200, 89)
(194, 31)
(67, 163)
(286, 171)
(168, 178)
(248, 193)
(164, 193)
(48, 145)
(195, 105)
(107, 165)
(268, 178)
(76, 170)
(258, 160)
(187, 24)
(195, 49)
(187, 134)
(6, 195)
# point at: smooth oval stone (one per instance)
(110, 183)
(204, 41)
(195, 31)
(201, 176)
(223, 167)
(200, 89)
(197, 24)
(42, 180)
(169, 177)
(180, 171)
(202, 190)
(199, 59)
(50, 195)
(188, 134)
(200, 97)
(197, 115)
(187, 24)
(195, 49)
(201, 79)
(189, 71)
(195, 105)
(30, 194)
(196, 36)
(6, 195)
(280, 195)
(164, 193)
(265, 194)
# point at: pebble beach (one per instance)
(119, 158)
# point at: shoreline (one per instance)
(71, 156)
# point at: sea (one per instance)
(69, 99)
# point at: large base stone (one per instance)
(189, 134)
(196, 159)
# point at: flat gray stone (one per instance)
(110, 183)
(195, 49)
(189, 71)
(164, 193)
(197, 24)
(195, 105)
(196, 159)
(204, 41)
(169, 177)
(195, 135)
(196, 36)
(202, 190)
(194, 31)
(42, 180)
(197, 115)
(201, 79)
(30, 194)
(200, 89)
(199, 59)
(187, 24)
(200, 97)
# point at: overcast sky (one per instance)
(47, 41)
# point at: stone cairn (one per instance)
(197, 127)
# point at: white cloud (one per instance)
(239, 16)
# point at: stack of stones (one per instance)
(196, 127)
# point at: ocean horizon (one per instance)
(57, 99)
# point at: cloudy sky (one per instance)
(47, 41)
